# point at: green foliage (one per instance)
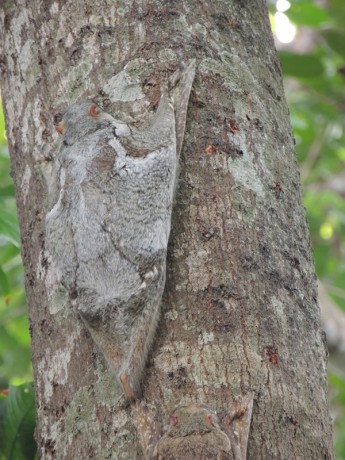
(301, 66)
(17, 424)
(15, 364)
(307, 14)
(338, 390)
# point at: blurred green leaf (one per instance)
(301, 65)
(4, 286)
(15, 357)
(336, 41)
(308, 14)
(6, 192)
(17, 424)
(8, 252)
(9, 227)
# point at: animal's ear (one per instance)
(59, 126)
(94, 110)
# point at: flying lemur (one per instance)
(195, 432)
(107, 232)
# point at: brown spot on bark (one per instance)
(126, 387)
(233, 126)
(210, 150)
(272, 354)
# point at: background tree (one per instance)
(206, 153)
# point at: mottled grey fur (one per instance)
(107, 232)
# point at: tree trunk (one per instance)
(240, 311)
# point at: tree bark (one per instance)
(240, 311)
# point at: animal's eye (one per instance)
(57, 118)
(94, 110)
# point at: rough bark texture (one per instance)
(240, 311)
